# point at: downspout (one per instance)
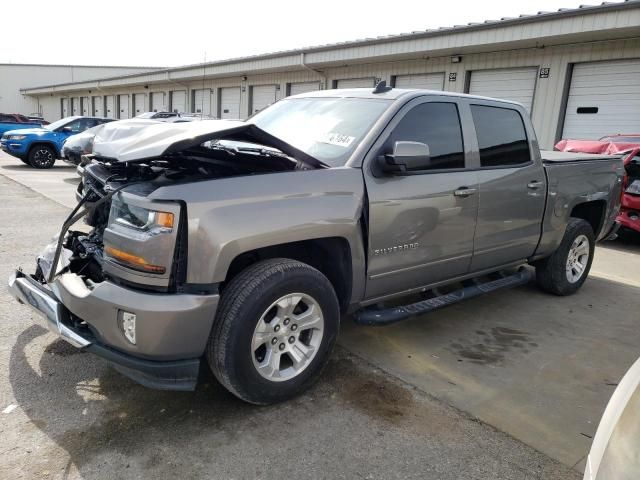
(317, 72)
(104, 100)
(187, 93)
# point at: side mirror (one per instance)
(67, 130)
(406, 156)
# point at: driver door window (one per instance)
(437, 125)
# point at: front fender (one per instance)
(42, 140)
(227, 217)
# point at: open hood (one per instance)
(139, 141)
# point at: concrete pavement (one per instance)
(68, 415)
(538, 367)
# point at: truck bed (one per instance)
(578, 178)
(552, 156)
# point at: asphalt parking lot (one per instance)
(510, 385)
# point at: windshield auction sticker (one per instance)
(338, 139)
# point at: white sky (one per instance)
(132, 32)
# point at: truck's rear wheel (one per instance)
(564, 272)
(276, 326)
(42, 156)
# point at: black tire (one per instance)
(551, 273)
(42, 156)
(244, 301)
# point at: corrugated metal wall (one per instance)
(547, 101)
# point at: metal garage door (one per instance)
(157, 102)
(110, 107)
(516, 84)
(230, 102)
(304, 87)
(138, 104)
(262, 96)
(604, 98)
(64, 107)
(85, 105)
(202, 101)
(75, 106)
(179, 101)
(355, 83)
(429, 81)
(98, 106)
(123, 106)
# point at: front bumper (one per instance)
(629, 219)
(14, 148)
(71, 156)
(172, 329)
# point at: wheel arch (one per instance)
(331, 256)
(593, 212)
(46, 143)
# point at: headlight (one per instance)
(16, 137)
(139, 230)
(140, 218)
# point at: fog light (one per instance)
(128, 326)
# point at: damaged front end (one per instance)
(117, 286)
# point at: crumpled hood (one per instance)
(137, 141)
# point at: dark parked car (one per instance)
(13, 121)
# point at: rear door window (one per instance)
(502, 138)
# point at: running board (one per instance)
(386, 316)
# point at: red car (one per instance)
(629, 145)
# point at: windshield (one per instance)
(58, 124)
(328, 129)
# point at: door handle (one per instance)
(464, 192)
(534, 185)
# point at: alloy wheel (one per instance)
(287, 337)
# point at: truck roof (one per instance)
(391, 94)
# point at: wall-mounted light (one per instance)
(244, 78)
(456, 59)
(146, 86)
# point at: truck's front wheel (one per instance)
(564, 272)
(274, 331)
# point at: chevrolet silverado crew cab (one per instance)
(238, 245)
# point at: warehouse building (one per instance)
(577, 71)
(14, 77)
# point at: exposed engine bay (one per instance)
(83, 253)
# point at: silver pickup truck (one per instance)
(240, 244)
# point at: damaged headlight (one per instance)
(140, 218)
(137, 229)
